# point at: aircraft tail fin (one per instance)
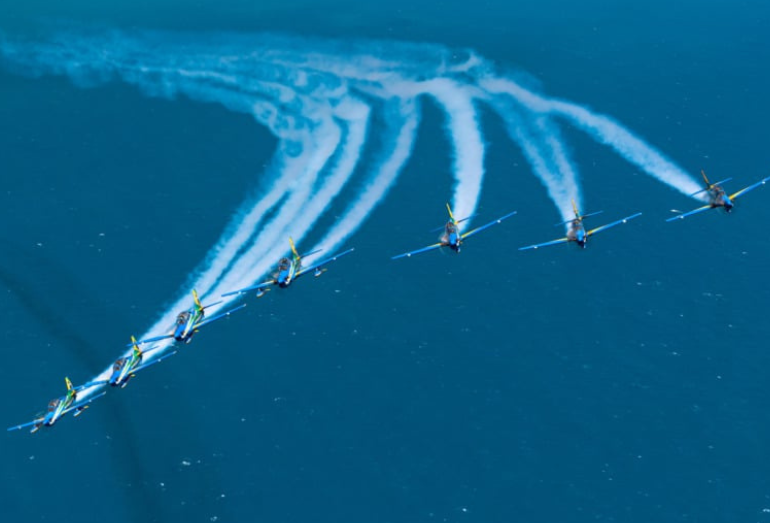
(69, 383)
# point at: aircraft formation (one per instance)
(290, 268)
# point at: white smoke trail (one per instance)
(603, 129)
(401, 121)
(550, 137)
(298, 215)
(464, 132)
(317, 98)
(535, 143)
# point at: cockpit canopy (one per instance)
(284, 264)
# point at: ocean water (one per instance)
(623, 382)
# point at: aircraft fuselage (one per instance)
(121, 370)
(451, 237)
(720, 199)
(185, 324)
(577, 233)
(287, 271)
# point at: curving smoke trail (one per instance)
(401, 120)
(541, 145)
(603, 129)
(323, 100)
(464, 133)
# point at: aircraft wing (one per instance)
(79, 404)
(486, 226)
(690, 213)
(749, 188)
(218, 316)
(252, 288)
(552, 242)
(28, 424)
(709, 186)
(613, 224)
(153, 362)
(418, 251)
(322, 263)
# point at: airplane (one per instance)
(126, 368)
(60, 406)
(717, 197)
(577, 232)
(190, 321)
(452, 237)
(289, 269)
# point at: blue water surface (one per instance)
(626, 382)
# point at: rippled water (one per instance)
(625, 382)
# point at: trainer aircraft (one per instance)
(289, 269)
(60, 406)
(452, 237)
(190, 321)
(126, 368)
(577, 232)
(717, 197)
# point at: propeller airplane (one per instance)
(126, 367)
(577, 232)
(452, 237)
(60, 406)
(289, 269)
(717, 197)
(189, 322)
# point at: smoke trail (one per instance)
(529, 135)
(603, 129)
(317, 98)
(401, 119)
(550, 136)
(464, 133)
(296, 217)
